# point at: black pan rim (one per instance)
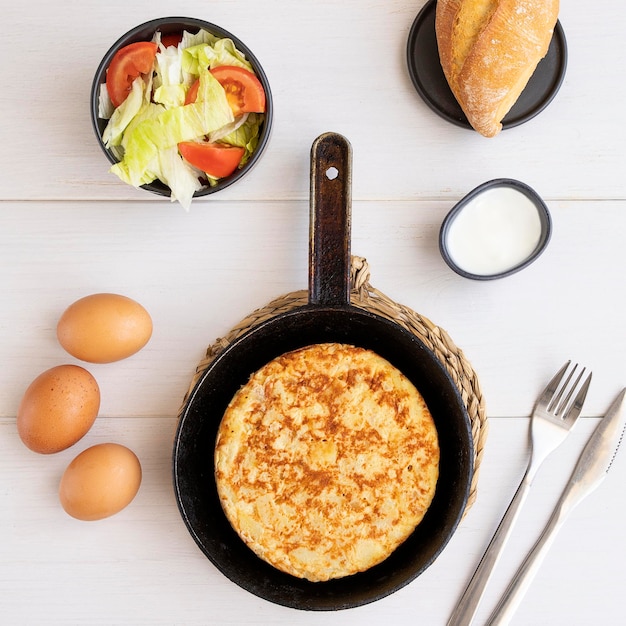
(267, 586)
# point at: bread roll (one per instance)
(489, 49)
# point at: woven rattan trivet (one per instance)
(364, 296)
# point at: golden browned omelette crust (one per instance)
(326, 461)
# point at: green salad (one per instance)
(186, 110)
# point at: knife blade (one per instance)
(591, 469)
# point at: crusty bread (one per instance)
(489, 49)
(326, 461)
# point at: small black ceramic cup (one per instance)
(497, 229)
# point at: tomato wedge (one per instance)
(192, 92)
(171, 40)
(244, 91)
(127, 63)
(216, 159)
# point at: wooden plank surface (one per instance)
(142, 567)
(197, 284)
(69, 228)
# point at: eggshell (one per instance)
(100, 481)
(104, 327)
(58, 408)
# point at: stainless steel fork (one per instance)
(553, 416)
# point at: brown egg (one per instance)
(104, 327)
(100, 482)
(58, 408)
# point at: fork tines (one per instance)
(563, 406)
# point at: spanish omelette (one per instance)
(326, 460)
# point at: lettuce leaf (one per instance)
(201, 37)
(171, 126)
(124, 114)
(246, 135)
(220, 133)
(179, 176)
(169, 82)
(105, 106)
(222, 52)
(225, 53)
(147, 112)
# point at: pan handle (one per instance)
(330, 220)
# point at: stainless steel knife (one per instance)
(591, 469)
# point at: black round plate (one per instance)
(431, 84)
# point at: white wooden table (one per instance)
(69, 228)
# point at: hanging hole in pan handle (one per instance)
(330, 220)
(332, 173)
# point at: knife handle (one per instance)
(582, 483)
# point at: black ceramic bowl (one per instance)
(504, 238)
(173, 26)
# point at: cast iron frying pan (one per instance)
(328, 317)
